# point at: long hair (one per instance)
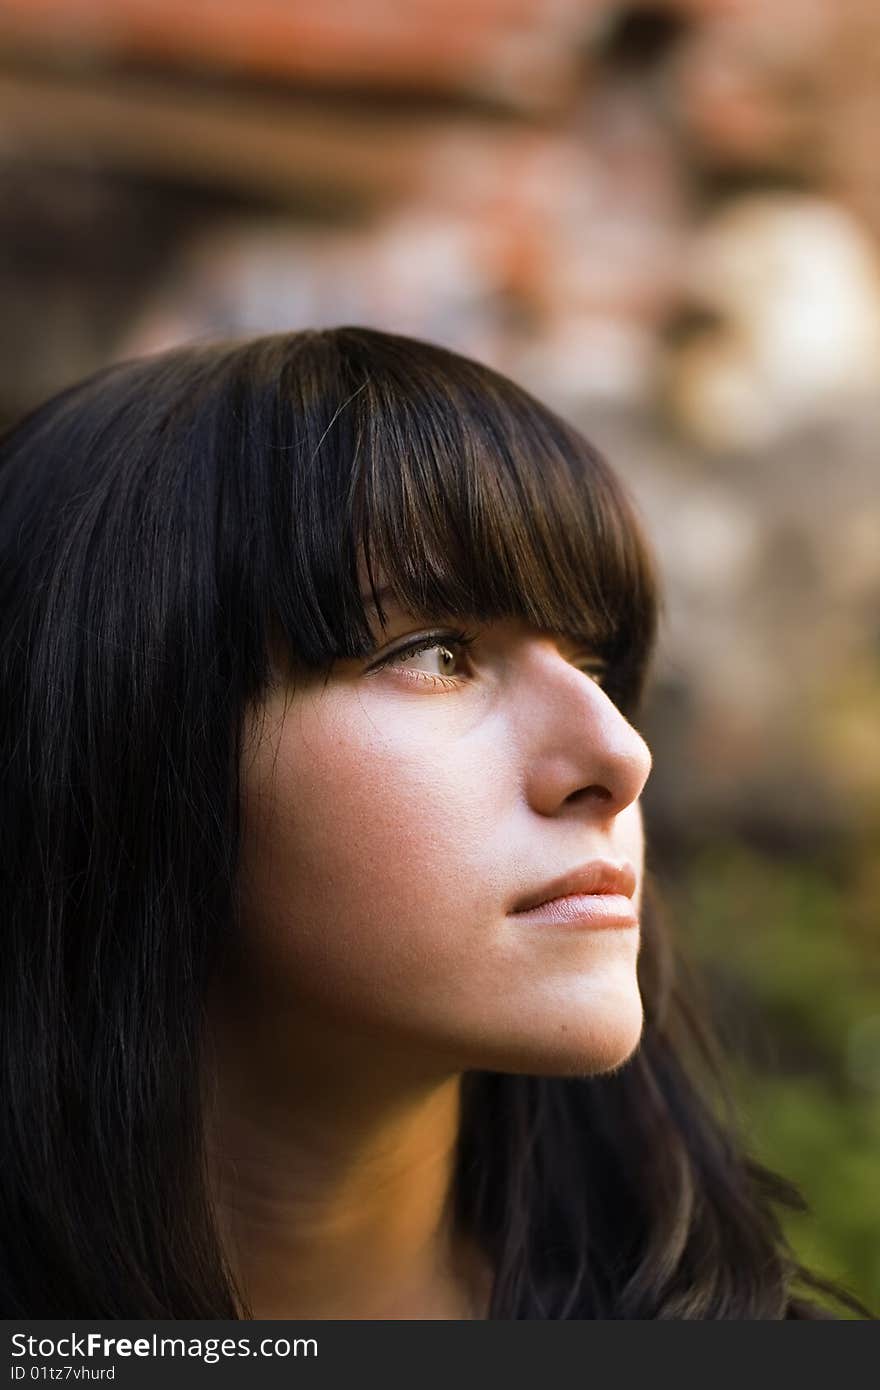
(161, 523)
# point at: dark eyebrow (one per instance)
(381, 595)
(386, 596)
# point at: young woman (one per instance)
(332, 982)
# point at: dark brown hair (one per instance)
(160, 521)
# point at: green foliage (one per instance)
(791, 954)
(830, 1146)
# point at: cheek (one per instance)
(378, 857)
(355, 850)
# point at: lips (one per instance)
(598, 877)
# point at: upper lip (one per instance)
(598, 876)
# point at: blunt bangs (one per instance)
(398, 465)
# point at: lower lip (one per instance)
(593, 911)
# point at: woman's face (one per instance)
(394, 816)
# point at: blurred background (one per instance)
(662, 218)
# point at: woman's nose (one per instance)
(580, 748)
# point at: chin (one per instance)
(604, 1042)
(591, 1039)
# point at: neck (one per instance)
(332, 1178)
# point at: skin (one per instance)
(389, 825)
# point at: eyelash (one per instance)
(461, 641)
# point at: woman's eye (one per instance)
(443, 654)
(584, 658)
(434, 658)
(595, 668)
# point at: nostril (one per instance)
(594, 792)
